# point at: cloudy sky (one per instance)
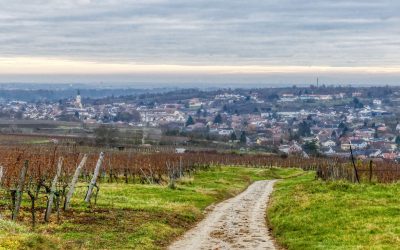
(193, 41)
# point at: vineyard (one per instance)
(371, 171)
(45, 177)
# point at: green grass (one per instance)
(15, 236)
(38, 141)
(310, 214)
(136, 216)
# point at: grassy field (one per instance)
(134, 216)
(309, 214)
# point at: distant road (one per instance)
(39, 122)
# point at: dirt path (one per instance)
(237, 223)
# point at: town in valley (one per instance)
(316, 120)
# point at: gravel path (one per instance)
(237, 223)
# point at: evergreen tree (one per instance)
(342, 125)
(189, 121)
(304, 129)
(397, 140)
(233, 136)
(334, 135)
(218, 119)
(311, 147)
(198, 113)
(243, 137)
(205, 113)
(357, 103)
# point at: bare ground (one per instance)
(237, 223)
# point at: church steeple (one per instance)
(78, 100)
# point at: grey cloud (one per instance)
(273, 32)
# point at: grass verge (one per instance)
(134, 216)
(305, 213)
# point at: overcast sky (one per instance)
(192, 41)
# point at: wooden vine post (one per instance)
(354, 165)
(180, 167)
(53, 190)
(1, 174)
(370, 171)
(74, 181)
(171, 172)
(33, 199)
(18, 192)
(94, 178)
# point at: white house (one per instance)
(180, 150)
(328, 143)
(398, 127)
(376, 153)
(330, 151)
(377, 102)
(358, 144)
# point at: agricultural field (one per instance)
(134, 216)
(8, 140)
(306, 213)
(60, 196)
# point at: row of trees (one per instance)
(217, 120)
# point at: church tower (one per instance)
(78, 100)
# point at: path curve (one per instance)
(237, 223)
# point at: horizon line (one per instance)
(57, 66)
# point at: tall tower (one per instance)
(78, 100)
